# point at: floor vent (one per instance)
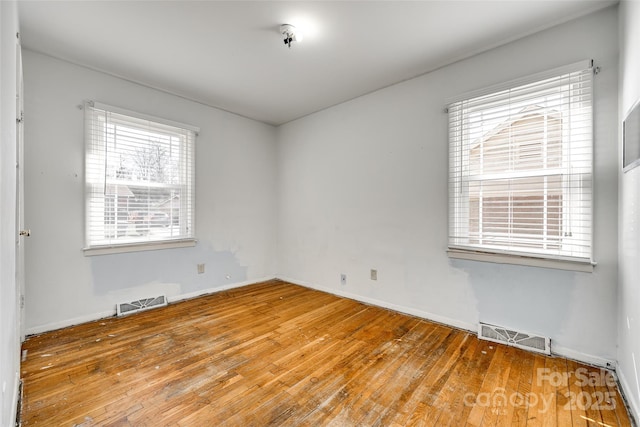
(141, 305)
(518, 339)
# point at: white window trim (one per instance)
(577, 264)
(525, 259)
(139, 247)
(151, 245)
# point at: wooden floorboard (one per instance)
(274, 353)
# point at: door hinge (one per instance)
(25, 233)
(20, 119)
(21, 301)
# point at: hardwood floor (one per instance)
(279, 354)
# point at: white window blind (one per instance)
(520, 169)
(139, 178)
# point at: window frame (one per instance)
(96, 176)
(479, 252)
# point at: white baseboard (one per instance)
(589, 359)
(555, 349)
(210, 291)
(34, 330)
(632, 404)
(391, 306)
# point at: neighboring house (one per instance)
(505, 198)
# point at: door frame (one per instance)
(20, 269)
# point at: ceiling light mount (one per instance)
(290, 34)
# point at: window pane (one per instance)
(520, 169)
(140, 180)
(523, 212)
(530, 142)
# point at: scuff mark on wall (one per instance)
(528, 298)
(169, 271)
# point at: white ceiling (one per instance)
(230, 54)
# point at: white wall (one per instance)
(629, 291)
(9, 317)
(364, 185)
(235, 200)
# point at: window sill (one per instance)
(139, 247)
(500, 258)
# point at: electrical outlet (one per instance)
(374, 274)
(200, 268)
(343, 279)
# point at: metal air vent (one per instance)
(141, 305)
(513, 338)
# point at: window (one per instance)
(139, 181)
(520, 168)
